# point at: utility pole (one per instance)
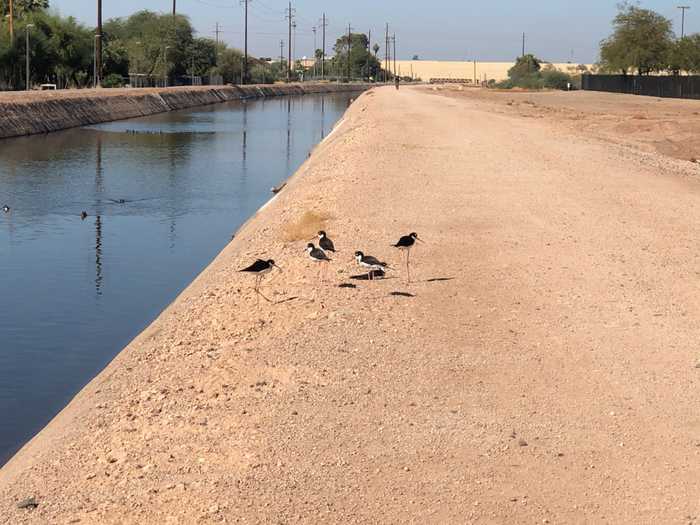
(12, 21)
(386, 53)
(98, 46)
(216, 32)
(324, 25)
(369, 51)
(290, 18)
(349, 47)
(245, 46)
(523, 45)
(313, 29)
(174, 10)
(281, 52)
(683, 9)
(294, 42)
(394, 41)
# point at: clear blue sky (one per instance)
(437, 29)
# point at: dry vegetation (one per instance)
(306, 227)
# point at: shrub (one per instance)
(113, 81)
(554, 79)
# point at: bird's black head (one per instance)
(270, 262)
(359, 254)
(310, 246)
(414, 235)
(321, 234)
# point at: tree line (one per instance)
(143, 48)
(643, 42)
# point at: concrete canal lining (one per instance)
(44, 112)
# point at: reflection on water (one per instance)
(163, 195)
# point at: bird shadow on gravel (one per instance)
(439, 279)
(401, 294)
(287, 300)
(378, 275)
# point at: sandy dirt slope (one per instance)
(663, 125)
(543, 368)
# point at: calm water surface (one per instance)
(73, 293)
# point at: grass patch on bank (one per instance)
(306, 227)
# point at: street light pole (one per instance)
(95, 71)
(29, 26)
(683, 8)
(165, 65)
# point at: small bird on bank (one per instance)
(317, 255)
(325, 243)
(405, 244)
(83, 215)
(6, 209)
(371, 263)
(260, 268)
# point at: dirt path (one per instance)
(543, 369)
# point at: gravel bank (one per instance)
(541, 368)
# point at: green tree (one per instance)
(684, 55)
(60, 50)
(230, 65)
(526, 73)
(360, 60)
(641, 41)
(158, 42)
(23, 7)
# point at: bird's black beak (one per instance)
(280, 269)
(420, 240)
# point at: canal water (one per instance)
(163, 196)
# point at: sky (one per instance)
(556, 30)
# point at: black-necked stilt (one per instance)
(325, 243)
(405, 244)
(317, 255)
(371, 263)
(6, 209)
(83, 215)
(260, 268)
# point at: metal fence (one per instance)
(652, 86)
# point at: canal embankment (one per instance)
(48, 111)
(540, 367)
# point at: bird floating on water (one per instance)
(371, 263)
(260, 268)
(325, 243)
(6, 209)
(83, 215)
(405, 244)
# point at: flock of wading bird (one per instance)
(375, 267)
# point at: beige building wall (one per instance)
(471, 71)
